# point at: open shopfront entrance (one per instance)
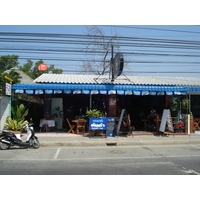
(138, 107)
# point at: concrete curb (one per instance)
(116, 143)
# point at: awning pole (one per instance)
(189, 103)
(90, 101)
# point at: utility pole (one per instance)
(112, 64)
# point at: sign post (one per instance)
(111, 127)
(97, 124)
(120, 121)
(166, 119)
(103, 124)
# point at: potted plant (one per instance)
(14, 125)
(17, 122)
(93, 113)
(132, 128)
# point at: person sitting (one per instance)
(152, 113)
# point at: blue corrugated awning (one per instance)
(56, 88)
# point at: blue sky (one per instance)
(137, 59)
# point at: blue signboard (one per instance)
(97, 123)
(111, 127)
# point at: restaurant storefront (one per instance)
(77, 95)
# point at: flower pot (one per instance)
(14, 132)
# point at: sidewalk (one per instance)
(74, 140)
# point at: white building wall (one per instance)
(5, 110)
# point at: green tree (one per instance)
(27, 67)
(15, 76)
(7, 62)
(30, 68)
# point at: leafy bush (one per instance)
(17, 122)
(19, 112)
(15, 125)
(93, 113)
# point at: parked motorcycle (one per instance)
(8, 139)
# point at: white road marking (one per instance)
(56, 154)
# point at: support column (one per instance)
(168, 102)
(112, 106)
(47, 106)
(90, 103)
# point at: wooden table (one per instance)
(51, 123)
(145, 123)
(76, 121)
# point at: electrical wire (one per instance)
(133, 48)
(154, 29)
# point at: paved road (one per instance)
(148, 160)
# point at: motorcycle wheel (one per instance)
(34, 143)
(4, 146)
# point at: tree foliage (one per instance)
(30, 68)
(9, 61)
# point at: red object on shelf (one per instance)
(179, 125)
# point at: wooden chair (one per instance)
(81, 125)
(71, 127)
(196, 124)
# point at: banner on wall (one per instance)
(112, 102)
(47, 105)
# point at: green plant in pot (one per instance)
(93, 113)
(17, 122)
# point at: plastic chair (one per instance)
(71, 127)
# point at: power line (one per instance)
(101, 61)
(127, 71)
(131, 47)
(155, 29)
(89, 37)
(92, 51)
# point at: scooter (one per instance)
(8, 139)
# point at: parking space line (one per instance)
(196, 146)
(56, 154)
